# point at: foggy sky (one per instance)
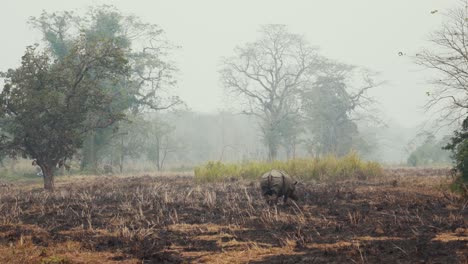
(366, 33)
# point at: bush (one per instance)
(459, 146)
(460, 184)
(430, 152)
(320, 169)
(461, 159)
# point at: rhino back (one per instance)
(276, 181)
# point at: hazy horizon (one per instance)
(365, 33)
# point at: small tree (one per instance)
(268, 75)
(48, 104)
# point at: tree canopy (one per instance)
(283, 81)
(332, 107)
(269, 74)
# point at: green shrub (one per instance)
(461, 158)
(460, 184)
(459, 147)
(320, 169)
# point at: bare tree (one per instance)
(449, 58)
(268, 75)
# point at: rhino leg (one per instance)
(270, 199)
(276, 199)
(293, 196)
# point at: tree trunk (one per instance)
(48, 174)
(288, 152)
(163, 159)
(158, 153)
(13, 164)
(121, 163)
(122, 155)
(89, 160)
(271, 136)
(272, 151)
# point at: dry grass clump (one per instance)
(328, 168)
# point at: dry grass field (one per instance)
(405, 217)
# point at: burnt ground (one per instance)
(396, 219)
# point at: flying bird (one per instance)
(434, 11)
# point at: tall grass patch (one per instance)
(319, 169)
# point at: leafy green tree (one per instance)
(330, 111)
(49, 103)
(151, 72)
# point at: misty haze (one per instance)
(234, 131)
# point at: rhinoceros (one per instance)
(277, 183)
